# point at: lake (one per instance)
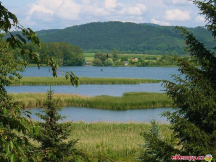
(95, 115)
(91, 89)
(98, 115)
(95, 90)
(108, 72)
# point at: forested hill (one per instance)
(126, 37)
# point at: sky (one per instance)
(59, 14)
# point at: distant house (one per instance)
(134, 59)
(88, 63)
(126, 63)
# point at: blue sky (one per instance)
(59, 14)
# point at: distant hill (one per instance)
(126, 37)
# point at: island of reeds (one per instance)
(82, 80)
(131, 100)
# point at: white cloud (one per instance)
(40, 14)
(110, 4)
(179, 1)
(65, 9)
(69, 10)
(200, 19)
(177, 15)
(136, 10)
(163, 23)
(38, 8)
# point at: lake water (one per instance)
(97, 115)
(110, 72)
(95, 90)
(91, 90)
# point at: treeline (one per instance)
(115, 59)
(65, 54)
(126, 37)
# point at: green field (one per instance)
(119, 142)
(88, 54)
(82, 80)
(132, 100)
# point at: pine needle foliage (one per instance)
(53, 135)
(194, 96)
(154, 145)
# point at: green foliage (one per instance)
(14, 146)
(63, 53)
(126, 37)
(15, 130)
(194, 121)
(101, 59)
(115, 54)
(52, 135)
(108, 62)
(164, 60)
(101, 56)
(97, 62)
(153, 147)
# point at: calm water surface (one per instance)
(159, 73)
(91, 90)
(110, 72)
(97, 115)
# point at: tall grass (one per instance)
(82, 80)
(115, 141)
(136, 100)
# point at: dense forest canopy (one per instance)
(63, 53)
(126, 37)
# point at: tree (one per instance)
(108, 62)
(97, 62)
(194, 94)
(115, 55)
(52, 135)
(101, 56)
(13, 146)
(14, 128)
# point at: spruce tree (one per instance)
(52, 135)
(194, 94)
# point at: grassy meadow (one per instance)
(132, 100)
(119, 142)
(82, 80)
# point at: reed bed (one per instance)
(132, 100)
(116, 141)
(119, 142)
(82, 80)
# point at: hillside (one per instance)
(126, 37)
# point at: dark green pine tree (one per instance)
(194, 94)
(52, 135)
